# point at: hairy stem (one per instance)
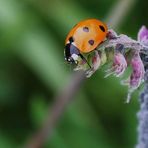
(143, 117)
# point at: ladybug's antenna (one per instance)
(83, 58)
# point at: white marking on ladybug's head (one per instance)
(75, 57)
(74, 43)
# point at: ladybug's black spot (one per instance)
(91, 42)
(85, 29)
(71, 39)
(102, 28)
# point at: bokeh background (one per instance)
(33, 70)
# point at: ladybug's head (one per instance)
(71, 52)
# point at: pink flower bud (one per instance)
(119, 65)
(137, 72)
(143, 36)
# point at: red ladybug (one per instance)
(84, 38)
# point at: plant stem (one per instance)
(143, 117)
(54, 114)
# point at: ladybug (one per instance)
(84, 38)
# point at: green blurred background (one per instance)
(33, 70)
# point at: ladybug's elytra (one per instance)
(84, 38)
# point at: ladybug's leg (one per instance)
(83, 58)
(96, 60)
